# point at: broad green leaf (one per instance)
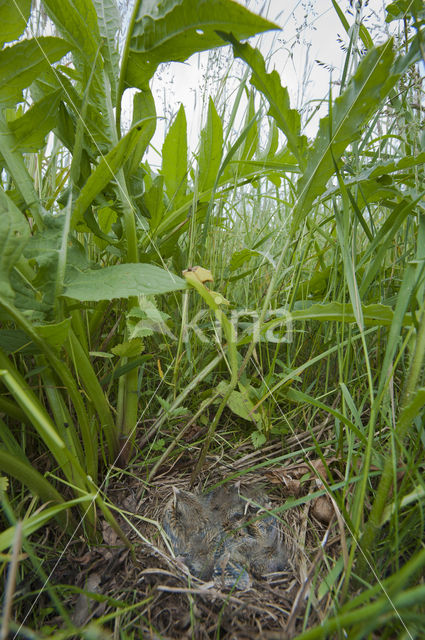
(123, 281)
(251, 141)
(351, 110)
(239, 403)
(175, 29)
(378, 170)
(106, 170)
(18, 171)
(288, 120)
(30, 130)
(77, 21)
(14, 15)
(154, 201)
(174, 157)
(44, 250)
(143, 107)
(23, 62)
(129, 349)
(241, 257)
(54, 334)
(404, 9)
(14, 235)
(15, 340)
(109, 22)
(211, 149)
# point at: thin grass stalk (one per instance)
(404, 422)
(36, 562)
(68, 381)
(94, 392)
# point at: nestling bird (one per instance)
(224, 536)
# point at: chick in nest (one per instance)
(225, 505)
(192, 533)
(263, 546)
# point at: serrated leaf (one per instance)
(14, 235)
(174, 157)
(288, 120)
(258, 439)
(23, 62)
(175, 29)
(211, 149)
(130, 349)
(13, 19)
(351, 110)
(31, 129)
(123, 281)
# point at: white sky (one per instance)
(311, 31)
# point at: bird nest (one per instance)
(175, 599)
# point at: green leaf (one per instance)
(288, 120)
(30, 130)
(40, 519)
(143, 107)
(174, 157)
(241, 257)
(211, 149)
(46, 252)
(175, 29)
(54, 334)
(258, 439)
(77, 21)
(109, 22)
(23, 62)
(123, 281)
(350, 112)
(239, 403)
(249, 147)
(154, 201)
(129, 349)
(373, 315)
(14, 16)
(14, 235)
(106, 170)
(24, 472)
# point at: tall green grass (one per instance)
(317, 245)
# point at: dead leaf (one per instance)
(109, 536)
(322, 509)
(203, 275)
